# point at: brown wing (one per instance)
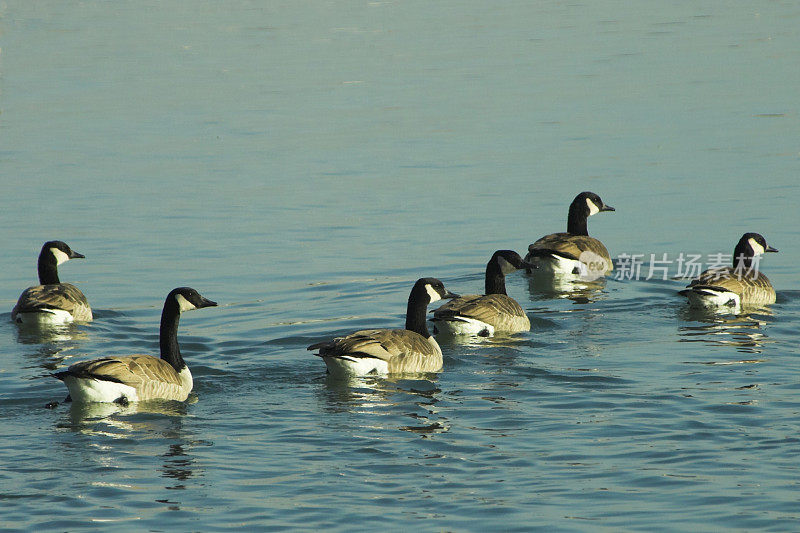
(403, 350)
(64, 296)
(498, 310)
(569, 246)
(150, 376)
(756, 290)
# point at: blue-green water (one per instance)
(302, 163)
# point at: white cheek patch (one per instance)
(757, 248)
(435, 297)
(184, 304)
(60, 256)
(593, 209)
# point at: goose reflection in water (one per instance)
(46, 349)
(745, 332)
(38, 334)
(99, 417)
(178, 465)
(579, 291)
(113, 426)
(413, 395)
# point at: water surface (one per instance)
(303, 164)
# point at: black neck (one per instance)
(415, 313)
(576, 220)
(168, 336)
(495, 279)
(48, 268)
(743, 254)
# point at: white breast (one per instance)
(52, 317)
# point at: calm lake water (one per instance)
(302, 163)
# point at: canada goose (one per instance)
(387, 351)
(483, 315)
(574, 252)
(737, 286)
(131, 378)
(52, 302)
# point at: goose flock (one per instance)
(571, 255)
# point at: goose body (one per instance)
(573, 253)
(390, 351)
(485, 314)
(742, 285)
(52, 302)
(132, 378)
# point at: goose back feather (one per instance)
(137, 377)
(41, 301)
(390, 351)
(570, 247)
(499, 311)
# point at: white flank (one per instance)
(714, 299)
(757, 248)
(184, 304)
(60, 256)
(464, 326)
(433, 294)
(94, 390)
(555, 265)
(593, 209)
(355, 366)
(51, 317)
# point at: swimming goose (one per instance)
(737, 286)
(388, 351)
(574, 252)
(52, 302)
(495, 311)
(133, 378)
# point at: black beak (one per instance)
(527, 266)
(606, 208)
(450, 295)
(770, 249)
(75, 255)
(207, 303)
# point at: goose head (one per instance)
(434, 289)
(751, 245)
(59, 252)
(590, 204)
(508, 261)
(188, 299)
